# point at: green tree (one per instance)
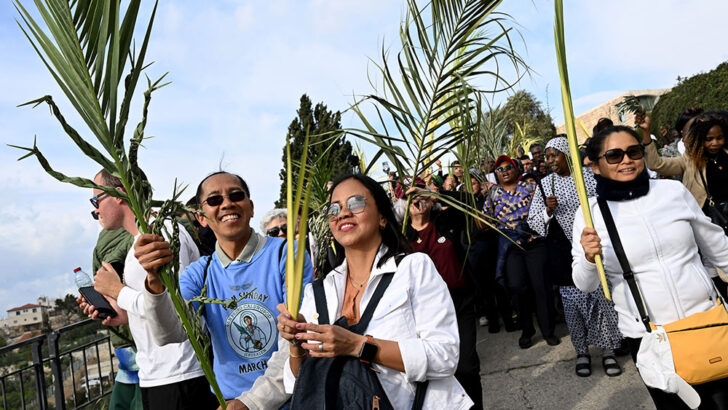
(69, 307)
(3, 342)
(317, 120)
(524, 111)
(708, 91)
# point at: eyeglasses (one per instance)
(355, 204)
(94, 215)
(216, 200)
(505, 168)
(616, 155)
(95, 199)
(277, 230)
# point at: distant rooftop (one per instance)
(28, 306)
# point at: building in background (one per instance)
(609, 110)
(27, 318)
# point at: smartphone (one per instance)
(385, 167)
(98, 301)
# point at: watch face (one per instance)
(368, 351)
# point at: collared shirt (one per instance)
(254, 245)
(417, 312)
(510, 208)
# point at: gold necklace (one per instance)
(355, 284)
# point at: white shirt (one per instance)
(661, 234)
(158, 365)
(417, 312)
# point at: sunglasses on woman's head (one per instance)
(216, 200)
(616, 155)
(505, 168)
(277, 230)
(355, 204)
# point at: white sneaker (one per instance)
(483, 321)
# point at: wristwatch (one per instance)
(368, 350)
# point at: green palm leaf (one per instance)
(85, 45)
(575, 157)
(447, 46)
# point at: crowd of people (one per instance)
(406, 302)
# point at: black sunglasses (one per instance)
(616, 155)
(216, 200)
(95, 199)
(277, 230)
(355, 204)
(505, 168)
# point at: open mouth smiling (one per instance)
(229, 218)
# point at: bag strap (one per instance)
(319, 296)
(624, 263)
(707, 191)
(366, 317)
(420, 392)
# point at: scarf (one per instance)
(623, 190)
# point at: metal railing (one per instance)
(43, 383)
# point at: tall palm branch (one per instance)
(575, 163)
(87, 46)
(447, 46)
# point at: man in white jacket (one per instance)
(170, 376)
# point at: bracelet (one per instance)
(297, 356)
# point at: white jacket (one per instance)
(158, 365)
(661, 233)
(417, 312)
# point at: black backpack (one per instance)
(345, 382)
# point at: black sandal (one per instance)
(583, 368)
(611, 366)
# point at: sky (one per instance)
(238, 70)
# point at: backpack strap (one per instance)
(366, 317)
(319, 297)
(624, 263)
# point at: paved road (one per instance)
(542, 377)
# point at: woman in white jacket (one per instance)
(413, 333)
(662, 228)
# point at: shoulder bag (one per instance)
(344, 382)
(699, 342)
(718, 213)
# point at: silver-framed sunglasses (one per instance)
(355, 204)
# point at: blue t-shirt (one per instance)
(244, 338)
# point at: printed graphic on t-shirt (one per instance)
(251, 330)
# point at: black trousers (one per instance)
(192, 394)
(492, 298)
(713, 395)
(468, 370)
(530, 288)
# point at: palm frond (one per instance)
(447, 46)
(574, 158)
(85, 46)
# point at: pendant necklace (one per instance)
(356, 285)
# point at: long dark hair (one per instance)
(391, 234)
(695, 143)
